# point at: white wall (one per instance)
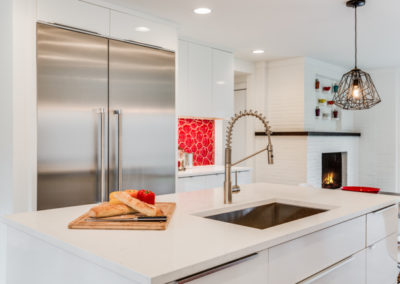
(18, 111)
(6, 106)
(6, 122)
(285, 94)
(290, 160)
(379, 143)
(239, 137)
(329, 73)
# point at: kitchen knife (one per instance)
(134, 219)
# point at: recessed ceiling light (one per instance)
(142, 29)
(258, 51)
(202, 11)
(220, 82)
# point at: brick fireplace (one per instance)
(298, 158)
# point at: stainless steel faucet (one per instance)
(228, 150)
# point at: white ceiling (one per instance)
(322, 29)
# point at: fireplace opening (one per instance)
(332, 170)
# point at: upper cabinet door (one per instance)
(75, 13)
(205, 81)
(222, 82)
(182, 97)
(198, 95)
(129, 27)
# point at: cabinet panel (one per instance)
(350, 270)
(381, 224)
(312, 253)
(199, 91)
(123, 26)
(187, 184)
(182, 96)
(244, 177)
(205, 81)
(382, 261)
(76, 14)
(222, 82)
(250, 270)
(210, 181)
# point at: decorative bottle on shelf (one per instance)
(317, 111)
(316, 84)
(335, 88)
(335, 114)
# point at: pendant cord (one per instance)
(355, 36)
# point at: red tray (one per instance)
(361, 189)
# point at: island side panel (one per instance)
(32, 260)
(3, 249)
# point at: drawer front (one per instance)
(251, 269)
(350, 270)
(381, 224)
(312, 253)
(187, 184)
(382, 261)
(244, 177)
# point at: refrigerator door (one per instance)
(142, 118)
(72, 77)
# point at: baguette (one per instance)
(138, 205)
(108, 210)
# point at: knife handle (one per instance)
(152, 219)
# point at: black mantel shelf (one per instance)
(309, 133)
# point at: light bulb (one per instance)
(202, 11)
(356, 92)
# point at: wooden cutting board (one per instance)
(167, 207)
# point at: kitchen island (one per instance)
(356, 231)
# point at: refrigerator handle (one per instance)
(102, 155)
(118, 113)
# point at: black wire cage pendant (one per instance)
(356, 89)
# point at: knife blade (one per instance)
(134, 219)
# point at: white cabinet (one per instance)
(222, 83)
(124, 26)
(199, 88)
(381, 224)
(192, 183)
(250, 269)
(75, 13)
(382, 261)
(205, 81)
(183, 99)
(349, 270)
(187, 184)
(315, 252)
(243, 177)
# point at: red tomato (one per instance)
(146, 196)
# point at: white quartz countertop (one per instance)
(192, 243)
(208, 170)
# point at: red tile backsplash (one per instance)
(197, 136)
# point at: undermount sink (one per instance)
(265, 216)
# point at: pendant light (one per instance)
(356, 90)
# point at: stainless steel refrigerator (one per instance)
(106, 117)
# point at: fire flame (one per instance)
(328, 179)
